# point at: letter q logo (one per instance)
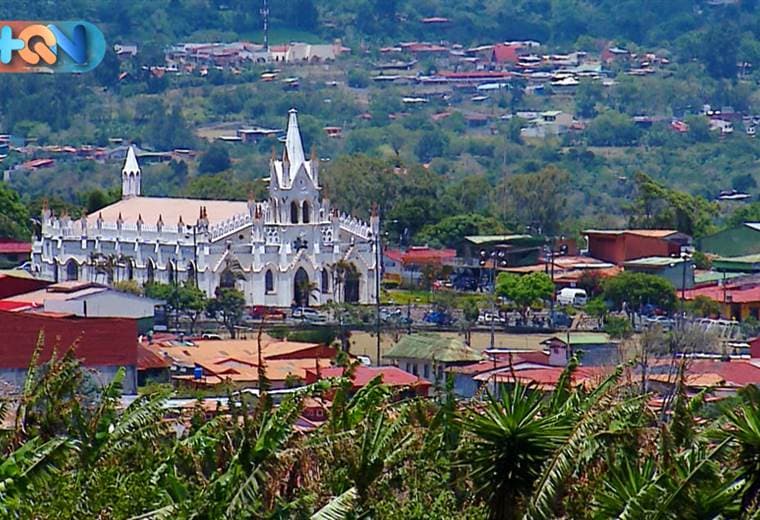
(40, 43)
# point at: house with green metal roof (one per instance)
(678, 271)
(741, 240)
(737, 264)
(428, 355)
(596, 348)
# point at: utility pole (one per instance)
(265, 16)
(195, 253)
(485, 258)
(378, 276)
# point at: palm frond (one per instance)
(339, 508)
(562, 464)
(158, 514)
(665, 505)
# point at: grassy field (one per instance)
(419, 297)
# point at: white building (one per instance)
(292, 248)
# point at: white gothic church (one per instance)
(293, 248)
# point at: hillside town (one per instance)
(380, 259)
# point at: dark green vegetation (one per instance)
(574, 453)
(478, 179)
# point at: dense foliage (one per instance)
(573, 452)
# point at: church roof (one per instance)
(170, 210)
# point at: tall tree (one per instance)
(538, 199)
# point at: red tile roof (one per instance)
(748, 293)
(506, 53)
(396, 255)
(148, 358)
(13, 306)
(391, 376)
(15, 247)
(544, 378)
(737, 373)
(421, 255)
(97, 341)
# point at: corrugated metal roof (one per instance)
(654, 233)
(486, 239)
(746, 259)
(433, 347)
(653, 261)
(583, 338)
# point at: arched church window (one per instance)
(227, 279)
(269, 282)
(130, 269)
(325, 281)
(72, 270)
(172, 273)
(150, 272)
(294, 212)
(306, 213)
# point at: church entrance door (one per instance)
(301, 288)
(351, 287)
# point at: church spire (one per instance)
(130, 175)
(293, 145)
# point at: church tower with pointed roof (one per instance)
(130, 175)
(294, 185)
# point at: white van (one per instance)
(570, 296)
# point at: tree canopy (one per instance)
(637, 289)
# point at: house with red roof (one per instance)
(723, 377)
(14, 252)
(406, 266)
(738, 299)
(152, 367)
(15, 282)
(506, 53)
(102, 344)
(391, 376)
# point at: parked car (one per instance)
(390, 314)
(211, 336)
(487, 318)
(561, 319)
(262, 312)
(439, 318)
(309, 315)
(572, 296)
(663, 321)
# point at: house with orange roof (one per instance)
(240, 363)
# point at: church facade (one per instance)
(291, 249)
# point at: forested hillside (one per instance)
(485, 176)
